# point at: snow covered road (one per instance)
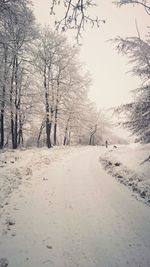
(72, 213)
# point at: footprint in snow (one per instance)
(9, 223)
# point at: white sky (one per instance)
(111, 82)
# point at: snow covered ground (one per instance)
(17, 166)
(130, 164)
(60, 208)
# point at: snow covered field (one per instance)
(17, 166)
(130, 164)
(60, 208)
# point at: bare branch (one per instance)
(144, 3)
(75, 15)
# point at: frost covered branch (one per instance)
(75, 15)
(144, 3)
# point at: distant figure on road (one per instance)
(106, 143)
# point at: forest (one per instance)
(43, 89)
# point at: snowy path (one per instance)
(76, 216)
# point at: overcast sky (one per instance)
(110, 71)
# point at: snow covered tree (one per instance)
(138, 111)
(3, 79)
(73, 115)
(138, 51)
(17, 32)
(46, 58)
(59, 71)
(96, 126)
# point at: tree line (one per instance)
(43, 88)
(78, 14)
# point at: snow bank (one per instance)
(130, 164)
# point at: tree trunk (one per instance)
(55, 127)
(69, 137)
(91, 141)
(47, 109)
(2, 128)
(16, 131)
(66, 132)
(17, 103)
(40, 133)
(20, 136)
(65, 136)
(56, 110)
(48, 131)
(11, 104)
(20, 132)
(12, 130)
(3, 100)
